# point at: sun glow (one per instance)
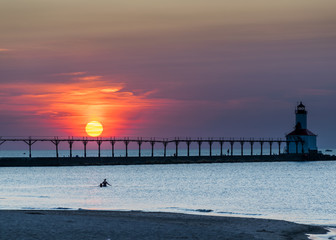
(65, 106)
(94, 128)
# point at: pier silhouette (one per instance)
(164, 142)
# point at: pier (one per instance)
(176, 145)
(164, 142)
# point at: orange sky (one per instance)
(69, 107)
(166, 68)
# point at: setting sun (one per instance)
(94, 128)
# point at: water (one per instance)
(302, 192)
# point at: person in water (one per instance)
(104, 183)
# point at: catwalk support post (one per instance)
(112, 141)
(270, 144)
(177, 142)
(231, 144)
(30, 142)
(70, 141)
(210, 146)
(152, 142)
(242, 148)
(85, 142)
(139, 141)
(56, 142)
(165, 143)
(99, 142)
(261, 147)
(126, 141)
(188, 142)
(221, 147)
(199, 141)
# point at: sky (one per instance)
(181, 68)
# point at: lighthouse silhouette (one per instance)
(306, 139)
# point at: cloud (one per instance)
(89, 78)
(70, 106)
(110, 90)
(70, 74)
(5, 50)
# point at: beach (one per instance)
(89, 224)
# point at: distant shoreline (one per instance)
(82, 161)
(87, 224)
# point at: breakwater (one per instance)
(87, 161)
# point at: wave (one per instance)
(212, 211)
(191, 210)
(61, 208)
(245, 214)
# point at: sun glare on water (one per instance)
(94, 128)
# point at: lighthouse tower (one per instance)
(301, 133)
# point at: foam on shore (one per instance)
(331, 235)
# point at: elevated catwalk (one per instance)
(163, 142)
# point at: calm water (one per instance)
(303, 192)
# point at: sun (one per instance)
(94, 128)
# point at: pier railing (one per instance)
(162, 141)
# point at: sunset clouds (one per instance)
(83, 99)
(190, 68)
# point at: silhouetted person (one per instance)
(104, 183)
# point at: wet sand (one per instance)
(83, 224)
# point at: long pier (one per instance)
(164, 142)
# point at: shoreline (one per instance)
(93, 224)
(89, 161)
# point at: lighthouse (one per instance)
(306, 139)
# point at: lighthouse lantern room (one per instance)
(301, 133)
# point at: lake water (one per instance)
(302, 192)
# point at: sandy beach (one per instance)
(83, 224)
